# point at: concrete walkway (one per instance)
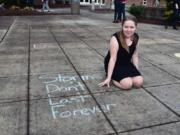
(50, 67)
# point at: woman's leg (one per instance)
(47, 5)
(43, 6)
(123, 11)
(119, 11)
(115, 12)
(137, 81)
(125, 83)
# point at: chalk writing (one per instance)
(57, 84)
(83, 111)
(177, 55)
(41, 46)
(65, 78)
(66, 101)
(55, 88)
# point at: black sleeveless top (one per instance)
(123, 66)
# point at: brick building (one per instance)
(149, 3)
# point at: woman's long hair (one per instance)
(122, 36)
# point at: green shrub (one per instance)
(9, 3)
(136, 10)
(168, 12)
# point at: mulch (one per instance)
(152, 21)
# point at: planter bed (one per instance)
(152, 20)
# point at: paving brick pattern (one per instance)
(50, 67)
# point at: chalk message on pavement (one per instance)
(62, 108)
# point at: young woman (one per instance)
(121, 62)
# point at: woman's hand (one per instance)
(105, 82)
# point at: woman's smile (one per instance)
(129, 28)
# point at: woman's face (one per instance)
(128, 28)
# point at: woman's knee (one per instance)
(138, 81)
(126, 83)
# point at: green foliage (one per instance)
(168, 12)
(9, 3)
(169, 4)
(136, 10)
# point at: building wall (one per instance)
(39, 2)
(163, 3)
(150, 3)
(137, 2)
(129, 2)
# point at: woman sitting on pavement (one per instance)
(121, 62)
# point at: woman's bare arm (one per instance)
(135, 57)
(113, 47)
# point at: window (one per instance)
(144, 2)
